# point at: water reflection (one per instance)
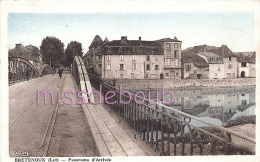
(217, 106)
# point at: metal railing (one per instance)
(20, 69)
(172, 132)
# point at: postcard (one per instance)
(129, 81)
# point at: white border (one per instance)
(80, 6)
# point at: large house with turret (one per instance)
(135, 59)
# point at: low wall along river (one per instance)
(175, 83)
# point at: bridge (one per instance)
(69, 124)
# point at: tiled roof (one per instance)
(248, 59)
(223, 51)
(192, 57)
(169, 40)
(97, 41)
(132, 47)
(132, 43)
(212, 57)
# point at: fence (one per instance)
(169, 131)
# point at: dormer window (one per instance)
(109, 49)
(133, 49)
(120, 49)
(153, 50)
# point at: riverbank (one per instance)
(179, 83)
(242, 120)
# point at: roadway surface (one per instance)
(64, 130)
(68, 135)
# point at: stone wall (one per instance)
(170, 83)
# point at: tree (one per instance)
(52, 51)
(73, 49)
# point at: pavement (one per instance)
(29, 122)
(63, 130)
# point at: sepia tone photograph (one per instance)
(92, 86)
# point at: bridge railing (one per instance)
(169, 131)
(19, 69)
(79, 74)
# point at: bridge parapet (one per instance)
(169, 131)
(80, 76)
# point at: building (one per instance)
(132, 59)
(172, 57)
(216, 64)
(194, 66)
(31, 53)
(135, 59)
(93, 58)
(229, 59)
(246, 66)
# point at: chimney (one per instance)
(205, 48)
(123, 39)
(140, 41)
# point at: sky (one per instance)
(232, 29)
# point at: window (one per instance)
(206, 103)
(148, 57)
(175, 45)
(109, 49)
(120, 49)
(188, 67)
(134, 66)
(153, 50)
(175, 53)
(228, 75)
(243, 64)
(108, 57)
(156, 67)
(177, 74)
(122, 67)
(167, 74)
(108, 67)
(243, 102)
(132, 75)
(121, 75)
(99, 58)
(133, 49)
(121, 57)
(229, 58)
(188, 104)
(176, 62)
(168, 61)
(148, 67)
(230, 66)
(134, 57)
(168, 46)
